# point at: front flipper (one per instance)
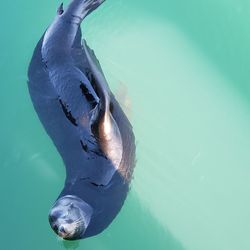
(103, 123)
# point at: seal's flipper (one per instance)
(99, 79)
(93, 62)
(100, 85)
(103, 121)
(79, 9)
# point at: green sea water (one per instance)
(181, 69)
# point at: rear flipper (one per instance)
(81, 8)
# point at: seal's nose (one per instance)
(62, 231)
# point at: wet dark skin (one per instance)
(86, 124)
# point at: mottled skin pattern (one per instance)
(89, 129)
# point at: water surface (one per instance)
(181, 69)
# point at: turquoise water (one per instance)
(181, 70)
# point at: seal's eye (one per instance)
(69, 221)
(55, 215)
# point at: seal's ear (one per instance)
(60, 9)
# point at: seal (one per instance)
(86, 124)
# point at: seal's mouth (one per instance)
(64, 233)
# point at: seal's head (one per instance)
(70, 217)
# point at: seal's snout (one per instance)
(62, 231)
(67, 231)
(70, 217)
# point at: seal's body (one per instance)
(85, 122)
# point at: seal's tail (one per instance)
(79, 9)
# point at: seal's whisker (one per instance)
(77, 222)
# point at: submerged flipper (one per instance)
(107, 129)
(102, 124)
(92, 59)
(98, 77)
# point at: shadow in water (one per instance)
(135, 228)
(71, 245)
